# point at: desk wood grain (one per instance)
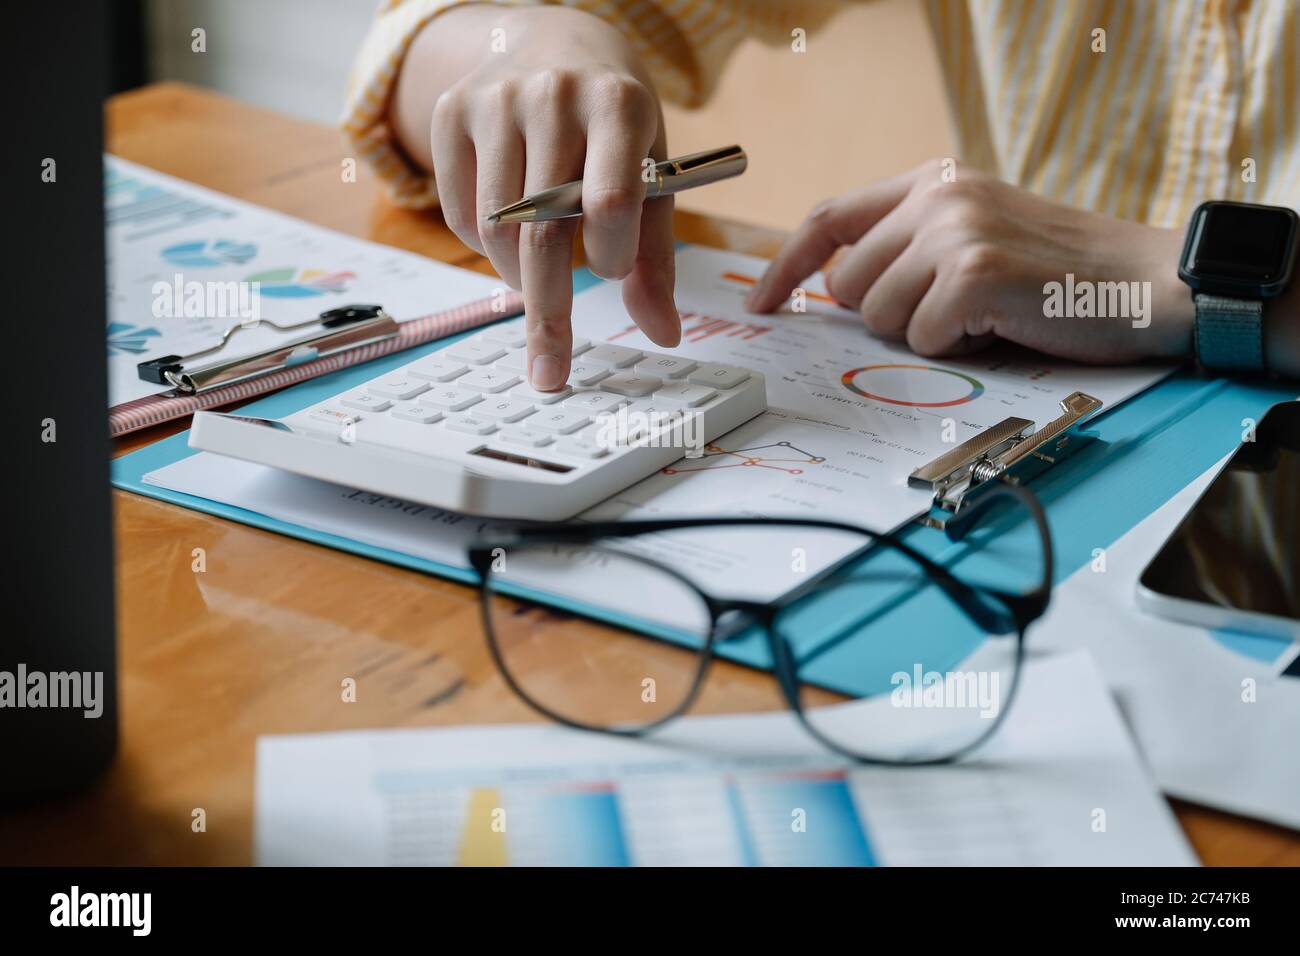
(260, 641)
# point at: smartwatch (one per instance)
(1236, 256)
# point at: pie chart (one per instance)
(293, 283)
(916, 386)
(204, 253)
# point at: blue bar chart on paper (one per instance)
(787, 818)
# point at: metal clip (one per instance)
(1010, 451)
(347, 327)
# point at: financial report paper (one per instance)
(186, 263)
(1059, 784)
(850, 416)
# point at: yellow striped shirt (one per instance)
(1136, 108)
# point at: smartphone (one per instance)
(1234, 562)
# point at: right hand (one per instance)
(568, 99)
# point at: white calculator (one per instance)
(461, 429)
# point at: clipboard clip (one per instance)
(338, 329)
(1010, 451)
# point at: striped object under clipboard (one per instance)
(156, 409)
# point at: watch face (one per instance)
(1239, 243)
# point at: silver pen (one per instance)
(670, 176)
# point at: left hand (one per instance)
(950, 266)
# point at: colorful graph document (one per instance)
(185, 264)
(1060, 784)
(850, 417)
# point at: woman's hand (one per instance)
(528, 99)
(949, 265)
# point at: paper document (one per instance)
(1213, 717)
(1059, 784)
(850, 417)
(186, 263)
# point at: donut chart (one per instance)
(916, 386)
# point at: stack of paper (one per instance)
(1059, 784)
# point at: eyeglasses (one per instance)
(570, 612)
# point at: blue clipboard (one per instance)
(1148, 449)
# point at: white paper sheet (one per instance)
(823, 450)
(1060, 784)
(1216, 726)
(165, 234)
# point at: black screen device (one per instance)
(58, 702)
(1234, 561)
(1240, 250)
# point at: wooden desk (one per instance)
(259, 642)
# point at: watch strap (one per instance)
(1229, 333)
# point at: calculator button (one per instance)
(614, 356)
(504, 409)
(527, 393)
(666, 366)
(559, 420)
(471, 424)
(451, 398)
(719, 376)
(679, 393)
(579, 346)
(593, 403)
(584, 374)
(437, 369)
(366, 402)
(475, 352)
(515, 360)
(526, 436)
(631, 384)
(512, 334)
(416, 412)
(332, 416)
(581, 448)
(400, 386)
(490, 380)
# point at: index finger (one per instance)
(834, 223)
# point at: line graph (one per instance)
(716, 458)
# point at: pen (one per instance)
(670, 176)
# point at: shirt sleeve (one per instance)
(365, 121)
(684, 43)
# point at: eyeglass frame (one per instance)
(1023, 609)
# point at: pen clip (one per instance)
(697, 169)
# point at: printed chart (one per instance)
(916, 386)
(206, 253)
(696, 328)
(140, 208)
(291, 283)
(787, 818)
(130, 339)
(744, 279)
(176, 251)
(777, 456)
